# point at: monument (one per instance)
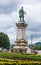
(21, 43)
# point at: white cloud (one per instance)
(7, 2)
(34, 40)
(29, 2)
(11, 34)
(7, 6)
(8, 20)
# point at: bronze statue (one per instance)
(21, 14)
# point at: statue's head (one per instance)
(22, 7)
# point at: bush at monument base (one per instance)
(20, 56)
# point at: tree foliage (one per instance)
(37, 47)
(4, 41)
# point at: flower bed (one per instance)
(5, 61)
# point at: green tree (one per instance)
(4, 41)
(37, 47)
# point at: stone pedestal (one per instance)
(21, 43)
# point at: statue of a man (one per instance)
(21, 14)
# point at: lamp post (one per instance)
(31, 42)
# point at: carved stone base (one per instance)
(20, 46)
(19, 49)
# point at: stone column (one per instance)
(21, 42)
(21, 30)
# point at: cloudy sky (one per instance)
(9, 16)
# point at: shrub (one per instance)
(20, 56)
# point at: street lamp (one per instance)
(31, 42)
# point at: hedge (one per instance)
(20, 56)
